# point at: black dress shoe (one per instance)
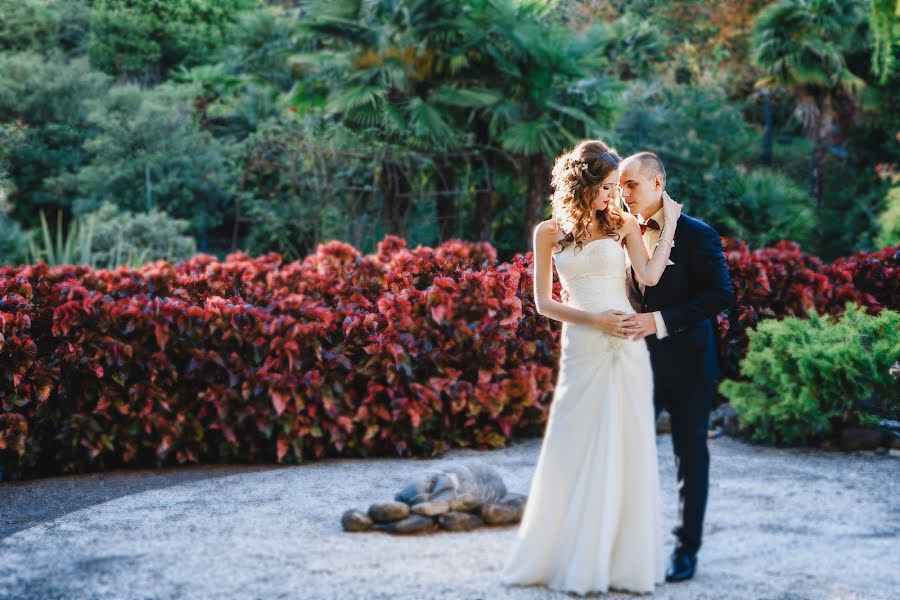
(682, 567)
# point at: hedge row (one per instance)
(401, 352)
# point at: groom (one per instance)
(676, 316)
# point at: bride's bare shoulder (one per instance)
(546, 230)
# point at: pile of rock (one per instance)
(457, 497)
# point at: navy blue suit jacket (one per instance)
(689, 295)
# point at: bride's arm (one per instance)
(609, 321)
(649, 269)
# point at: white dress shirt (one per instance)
(651, 238)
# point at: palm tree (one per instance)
(477, 86)
(383, 62)
(800, 44)
(884, 20)
(541, 87)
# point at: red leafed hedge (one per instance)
(784, 281)
(406, 351)
(401, 352)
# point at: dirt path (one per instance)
(781, 524)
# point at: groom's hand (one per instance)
(640, 325)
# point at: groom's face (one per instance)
(640, 191)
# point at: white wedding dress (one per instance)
(593, 518)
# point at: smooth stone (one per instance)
(385, 512)
(356, 520)
(501, 514)
(469, 502)
(459, 521)
(411, 524)
(431, 508)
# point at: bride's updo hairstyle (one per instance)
(575, 179)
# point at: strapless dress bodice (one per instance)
(594, 275)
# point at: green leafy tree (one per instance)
(149, 152)
(304, 181)
(252, 82)
(28, 25)
(44, 27)
(43, 101)
(889, 220)
(802, 45)
(491, 79)
(698, 133)
(145, 39)
(549, 87)
(764, 206)
(884, 20)
(13, 239)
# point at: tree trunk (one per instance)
(445, 201)
(815, 181)
(395, 210)
(484, 213)
(485, 201)
(823, 134)
(538, 191)
(766, 157)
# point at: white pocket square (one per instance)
(669, 262)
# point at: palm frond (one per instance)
(343, 100)
(428, 122)
(530, 137)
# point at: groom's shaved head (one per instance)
(649, 165)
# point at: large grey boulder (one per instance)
(417, 490)
(464, 485)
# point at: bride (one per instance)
(593, 520)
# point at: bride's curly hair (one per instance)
(575, 178)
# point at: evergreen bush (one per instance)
(805, 378)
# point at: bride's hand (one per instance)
(671, 209)
(611, 322)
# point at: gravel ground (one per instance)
(781, 524)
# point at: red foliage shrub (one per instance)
(784, 281)
(401, 352)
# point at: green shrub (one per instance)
(699, 134)
(807, 376)
(889, 220)
(764, 207)
(69, 246)
(13, 242)
(120, 237)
